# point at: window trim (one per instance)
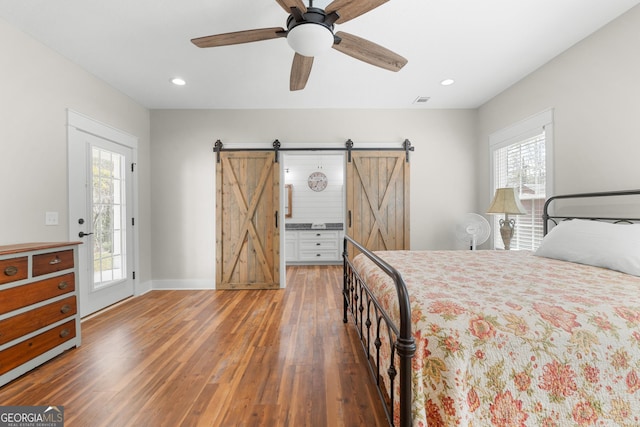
(519, 131)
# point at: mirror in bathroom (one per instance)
(288, 208)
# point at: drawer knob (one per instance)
(318, 254)
(55, 261)
(64, 333)
(63, 285)
(318, 244)
(12, 270)
(65, 309)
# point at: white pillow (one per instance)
(601, 244)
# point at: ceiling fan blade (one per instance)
(369, 52)
(239, 37)
(349, 9)
(288, 4)
(300, 70)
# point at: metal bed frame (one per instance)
(555, 219)
(371, 321)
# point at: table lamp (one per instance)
(505, 202)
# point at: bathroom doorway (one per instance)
(315, 213)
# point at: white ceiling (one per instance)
(138, 45)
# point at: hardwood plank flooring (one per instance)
(214, 358)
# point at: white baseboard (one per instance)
(177, 284)
(143, 288)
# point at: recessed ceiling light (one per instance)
(178, 81)
(422, 100)
(447, 82)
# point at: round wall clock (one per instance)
(317, 181)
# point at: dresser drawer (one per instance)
(316, 235)
(319, 255)
(13, 269)
(318, 244)
(24, 351)
(30, 321)
(52, 262)
(22, 296)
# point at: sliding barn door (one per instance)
(248, 241)
(378, 199)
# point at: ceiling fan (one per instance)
(310, 31)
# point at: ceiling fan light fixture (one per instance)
(310, 39)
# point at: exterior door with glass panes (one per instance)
(100, 192)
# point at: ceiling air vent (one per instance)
(422, 100)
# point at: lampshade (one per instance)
(505, 201)
(310, 39)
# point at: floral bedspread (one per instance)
(511, 339)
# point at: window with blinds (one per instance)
(522, 166)
(520, 159)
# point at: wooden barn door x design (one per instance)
(378, 199)
(247, 230)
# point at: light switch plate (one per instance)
(51, 218)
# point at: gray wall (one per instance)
(37, 86)
(183, 172)
(594, 88)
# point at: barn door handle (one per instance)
(349, 219)
(276, 219)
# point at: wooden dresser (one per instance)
(39, 316)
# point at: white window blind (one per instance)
(522, 166)
(520, 157)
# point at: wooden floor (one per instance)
(205, 358)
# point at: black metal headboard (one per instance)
(546, 217)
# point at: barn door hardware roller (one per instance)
(218, 147)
